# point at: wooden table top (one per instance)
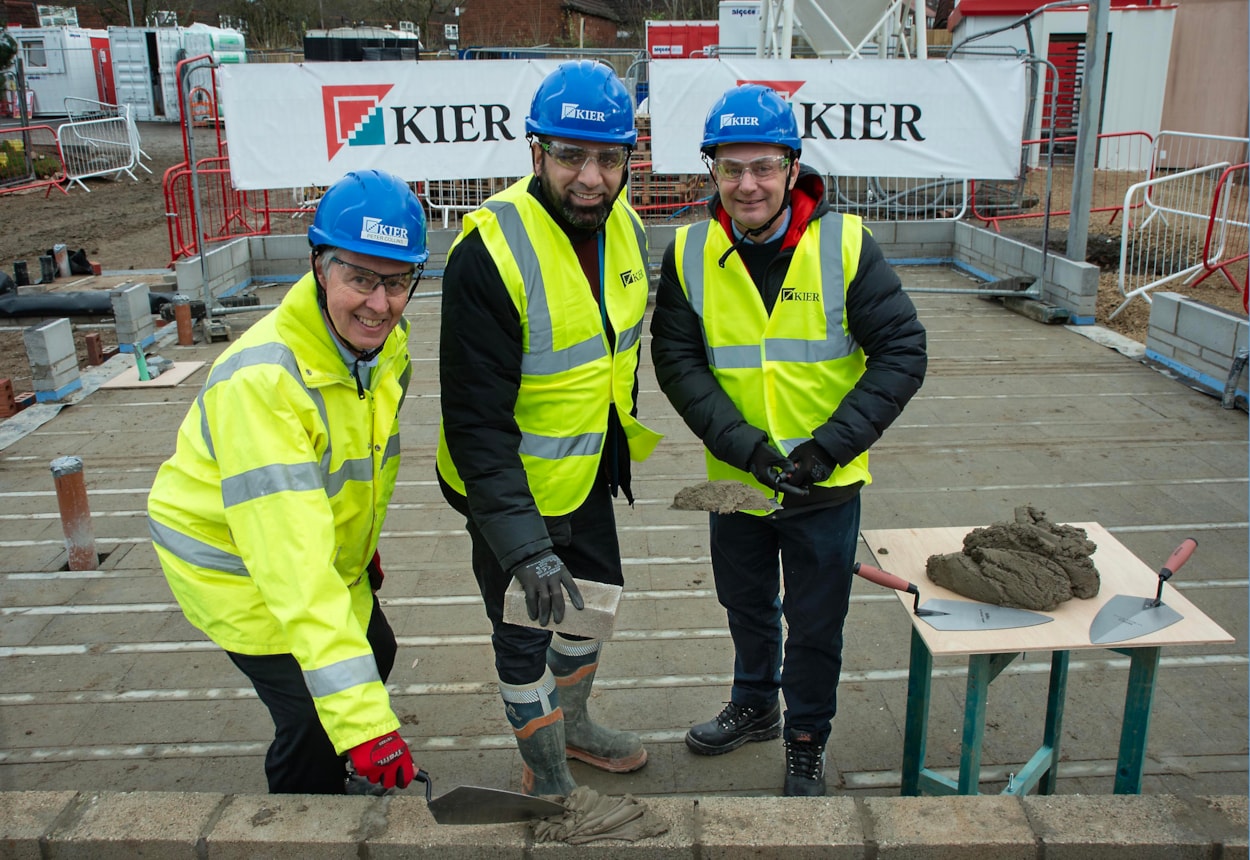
(903, 552)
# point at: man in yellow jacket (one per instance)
(266, 518)
(543, 301)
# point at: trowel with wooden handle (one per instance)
(1127, 617)
(954, 614)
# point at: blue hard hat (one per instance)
(583, 100)
(371, 212)
(751, 113)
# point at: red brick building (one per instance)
(562, 23)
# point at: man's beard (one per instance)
(583, 217)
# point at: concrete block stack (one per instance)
(53, 359)
(132, 311)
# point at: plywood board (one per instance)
(903, 552)
(129, 378)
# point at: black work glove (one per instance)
(771, 469)
(812, 464)
(542, 576)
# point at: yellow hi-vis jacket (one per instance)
(570, 373)
(786, 372)
(267, 514)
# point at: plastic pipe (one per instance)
(71, 498)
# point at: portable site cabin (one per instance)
(1139, 42)
(64, 62)
(145, 63)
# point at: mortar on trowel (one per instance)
(722, 497)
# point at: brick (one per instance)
(8, 403)
(595, 620)
(95, 348)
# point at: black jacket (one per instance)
(882, 320)
(479, 377)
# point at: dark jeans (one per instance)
(592, 552)
(817, 552)
(301, 759)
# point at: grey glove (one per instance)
(542, 576)
(773, 470)
(811, 464)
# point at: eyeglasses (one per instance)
(365, 281)
(577, 157)
(764, 167)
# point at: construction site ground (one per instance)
(105, 686)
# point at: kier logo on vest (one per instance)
(790, 294)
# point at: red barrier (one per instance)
(25, 183)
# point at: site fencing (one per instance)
(30, 157)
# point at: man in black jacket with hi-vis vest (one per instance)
(785, 341)
(543, 301)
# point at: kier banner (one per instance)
(939, 119)
(290, 125)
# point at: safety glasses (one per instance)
(365, 281)
(764, 167)
(577, 157)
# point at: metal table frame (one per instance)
(1042, 768)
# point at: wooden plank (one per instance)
(904, 551)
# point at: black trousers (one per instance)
(301, 759)
(586, 542)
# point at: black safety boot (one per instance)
(805, 767)
(733, 727)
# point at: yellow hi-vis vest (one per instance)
(569, 371)
(786, 372)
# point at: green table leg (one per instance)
(980, 673)
(1055, 697)
(1143, 672)
(916, 727)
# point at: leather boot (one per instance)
(538, 723)
(574, 663)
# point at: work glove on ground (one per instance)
(385, 760)
(542, 576)
(812, 464)
(773, 470)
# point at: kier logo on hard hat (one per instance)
(375, 231)
(571, 110)
(353, 116)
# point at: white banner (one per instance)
(290, 125)
(939, 119)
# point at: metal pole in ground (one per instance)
(71, 498)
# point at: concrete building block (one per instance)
(1074, 827)
(27, 816)
(940, 233)
(408, 830)
(884, 232)
(595, 619)
(1210, 326)
(1230, 811)
(53, 359)
(951, 828)
(295, 827)
(1163, 311)
(132, 314)
(793, 828)
(121, 826)
(986, 242)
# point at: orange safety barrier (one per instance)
(1132, 149)
(226, 212)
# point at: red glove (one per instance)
(385, 760)
(376, 575)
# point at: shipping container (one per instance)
(61, 63)
(145, 70)
(681, 40)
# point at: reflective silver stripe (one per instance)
(341, 676)
(543, 359)
(628, 338)
(392, 448)
(838, 342)
(524, 694)
(557, 448)
(735, 357)
(267, 480)
(360, 469)
(194, 551)
(574, 647)
(692, 264)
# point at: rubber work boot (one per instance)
(805, 767)
(574, 663)
(538, 723)
(734, 726)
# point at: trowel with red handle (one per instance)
(954, 614)
(1127, 617)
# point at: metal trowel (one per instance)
(1127, 617)
(471, 804)
(954, 614)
